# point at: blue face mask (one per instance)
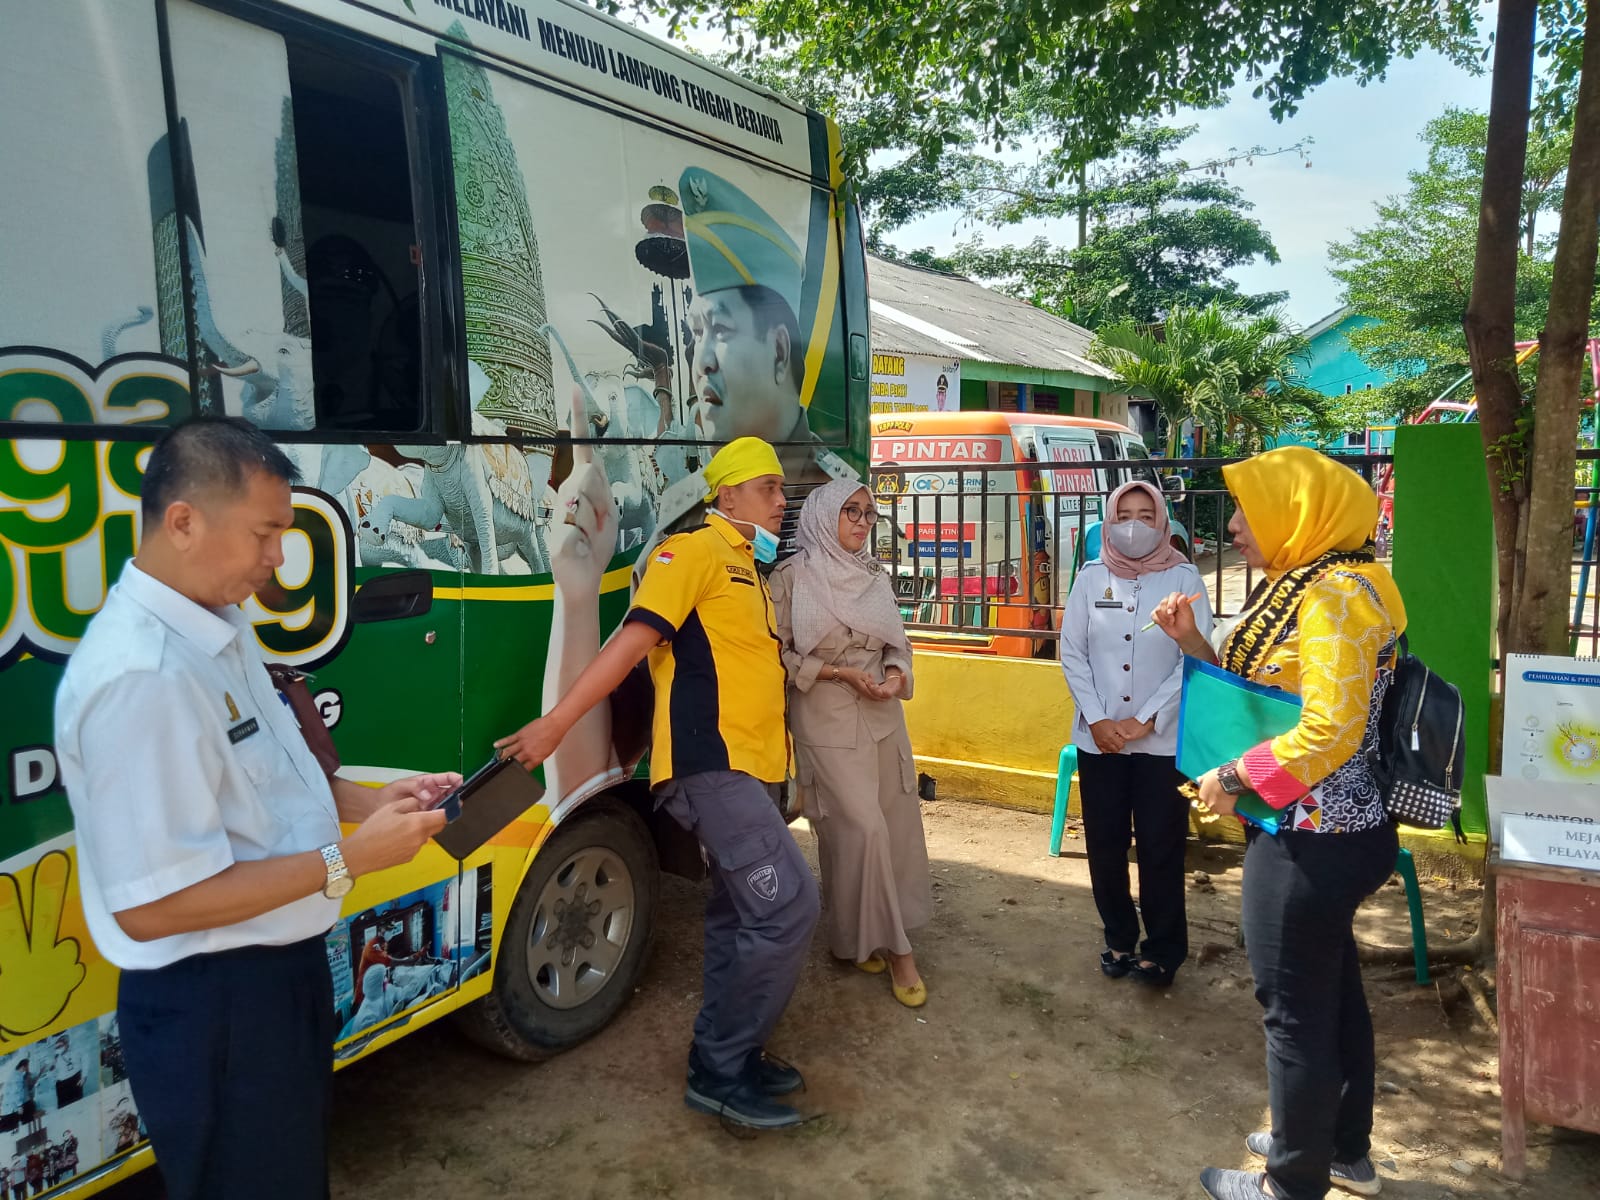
(764, 541)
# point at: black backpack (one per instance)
(1421, 751)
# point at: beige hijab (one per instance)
(832, 586)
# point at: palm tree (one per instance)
(1229, 373)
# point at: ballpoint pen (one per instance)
(1191, 600)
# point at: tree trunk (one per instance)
(1083, 206)
(1490, 319)
(1541, 616)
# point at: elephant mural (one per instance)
(274, 369)
(277, 389)
(400, 544)
(484, 494)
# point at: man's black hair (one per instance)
(770, 310)
(209, 454)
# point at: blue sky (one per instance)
(1365, 140)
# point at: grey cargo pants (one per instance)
(764, 904)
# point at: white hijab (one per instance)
(833, 586)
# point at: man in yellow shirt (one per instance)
(720, 751)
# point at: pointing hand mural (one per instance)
(39, 970)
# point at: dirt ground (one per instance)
(1027, 1075)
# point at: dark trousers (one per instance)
(764, 904)
(1137, 794)
(230, 1057)
(1300, 895)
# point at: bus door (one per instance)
(295, 195)
(1077, 487)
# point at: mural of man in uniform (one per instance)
(747, 378)
(748, 362)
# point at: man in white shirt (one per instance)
(208, 837)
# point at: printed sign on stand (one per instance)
(1533, 839)
(1552, 721)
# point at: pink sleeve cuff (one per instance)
(1269, 780)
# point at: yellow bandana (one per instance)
(739, 462)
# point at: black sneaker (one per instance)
(739, 1102)
(772, 1075)
(1359, 1177)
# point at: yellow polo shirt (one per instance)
(718, 672)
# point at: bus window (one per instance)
(304, 286)
(1133, 448)
(362, 250)
(1110, 448)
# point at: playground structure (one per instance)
(1443, 411)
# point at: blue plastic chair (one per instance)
(1067, 767)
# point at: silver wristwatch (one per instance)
(339, 880)
(1228, 777)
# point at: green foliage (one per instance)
(1233, 374)
(1412, 269)
(1104, 62)
(1161, 233)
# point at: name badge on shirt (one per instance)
(1108, 603)
(243, 730)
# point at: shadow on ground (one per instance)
(1027, 1074)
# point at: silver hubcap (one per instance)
(580, 927)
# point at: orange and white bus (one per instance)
(978, 550)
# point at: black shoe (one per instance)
(772, 1075)
(1114, 965)
(739, 1102)
(1152, 975)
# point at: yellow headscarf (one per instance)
(738, 462)
(1300, 505)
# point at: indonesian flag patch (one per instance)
(664, 557)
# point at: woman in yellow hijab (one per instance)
(1323, 625)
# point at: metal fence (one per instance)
(1583, 626)
(986, 554)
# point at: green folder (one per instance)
(1220, 716)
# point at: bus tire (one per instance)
(576, 938)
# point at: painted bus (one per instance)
(981, 551)
(465, 258)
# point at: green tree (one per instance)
(1104, 62)
(1412, 270)
(1157, 232)
(1233, 374)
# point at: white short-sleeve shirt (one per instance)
(181, 759)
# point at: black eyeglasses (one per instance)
(855, 514)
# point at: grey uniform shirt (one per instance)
(1116, 671)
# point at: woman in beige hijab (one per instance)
(849, 669)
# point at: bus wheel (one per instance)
(576, 937)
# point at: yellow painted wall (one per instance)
(990, 728)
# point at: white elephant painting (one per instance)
(276, 390)
(400, 544)
(482, 493)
